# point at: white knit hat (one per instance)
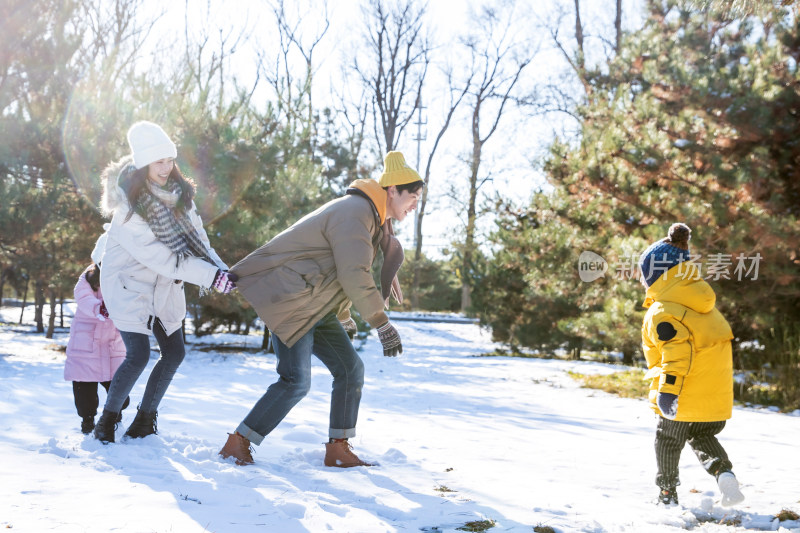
(149, 143)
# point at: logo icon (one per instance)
(591, 266)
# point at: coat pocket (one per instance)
(285, 284)
(137, 286)
(81, 338)
(134, 300)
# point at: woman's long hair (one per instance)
(93, 276)
(135, 184)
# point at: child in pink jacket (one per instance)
(95, 348)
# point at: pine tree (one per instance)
(694, 121)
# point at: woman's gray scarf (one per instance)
(172, 227)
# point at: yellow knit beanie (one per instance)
(396, 171)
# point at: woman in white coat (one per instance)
(154, 244)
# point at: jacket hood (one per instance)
(375, 193)
(682, 284)
(113, 181)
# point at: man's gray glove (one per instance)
(350, 327)
(390, 340)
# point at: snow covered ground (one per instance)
(459, 439)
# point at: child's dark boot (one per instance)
(668, 496)
(87, 425)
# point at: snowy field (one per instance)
(458, 439)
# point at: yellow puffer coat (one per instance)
(687, 344)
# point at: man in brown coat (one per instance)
(302, 283)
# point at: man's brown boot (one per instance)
(338, 452)
(239, 448)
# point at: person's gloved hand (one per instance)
(350, 327)
(224, 281)
(668, 404)
(390, 340)
(103, 310)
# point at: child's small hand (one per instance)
(668, 404)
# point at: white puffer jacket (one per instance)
(140, 277)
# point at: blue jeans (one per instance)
(330, 343)
(137, 346)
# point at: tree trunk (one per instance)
(627, 356)
(415, 284)
(469, 242)
(24, 301)
(51, 321)
(466, 265)
(576, 350)
(618, 26)
(579, 37)
(38, 306)
(196, 320)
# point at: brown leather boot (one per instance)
(239, 448)
(339, 452)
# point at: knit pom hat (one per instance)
(149, 143)
(396, 171)
(666, 253)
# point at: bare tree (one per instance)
(498, 60)
(351, 117)
(294, 91)
(394, 66)
(456, 97)
(109, 62)
(206, 68)
(577, 61)
(568, 88)
(117, 35)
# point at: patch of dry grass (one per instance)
(627, 384)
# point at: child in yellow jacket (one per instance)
(687, 345)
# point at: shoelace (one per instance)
(245, 449)
(348, 450)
